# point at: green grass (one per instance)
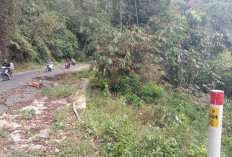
(4, 134)
(77, 142)
(227, 128)
(60, 117)
(78, 75)
(21, 153)
(27, 114)
(4, 138)
(170, 125)
(60, 91)
(129, 131)
(110, 127)
(27, 66)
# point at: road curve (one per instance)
(23, 78)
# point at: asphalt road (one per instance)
(23, 78)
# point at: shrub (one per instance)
(134, 99)
(22, 50)
(98, 83)
(85, 74)
(106, 92)
(178, 105)
(130, 84)
(121, 134)
(149, 92)
(41, 47)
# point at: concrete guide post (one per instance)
(215, 123)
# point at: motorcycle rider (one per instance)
(73, 61)
(7, 65)
(49, 65)
(67, 63)
(49, 62)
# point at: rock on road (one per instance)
(23, 78)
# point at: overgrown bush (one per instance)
(130, 84)
(23, 47)
(41, 48)
(98, 83)
(132, 87)
(121, 132)
(179, 105)
(134, 99)
(150, 92)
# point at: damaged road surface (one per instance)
(19, 79)
(27, 119)
(32, 122)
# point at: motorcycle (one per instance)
(5, 76)
(67, 65)
(73, 62)
(49, 68)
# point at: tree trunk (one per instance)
(191, 69)
(178, 70)
(120, 11)
(136, 13)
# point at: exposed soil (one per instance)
(32, 134)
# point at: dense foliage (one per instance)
(134, 45)
(177, 41)
(7, 20)
(146, 120)
(40, 31)
(155, 130)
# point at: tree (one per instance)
(8, 14)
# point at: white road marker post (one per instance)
(215, 123)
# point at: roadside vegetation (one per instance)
(154, 63)
(134, 119)
(158, 122)
(72, 77)
(27, 114)
(180, 42)
(60, 91)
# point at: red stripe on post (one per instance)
(217, 97)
